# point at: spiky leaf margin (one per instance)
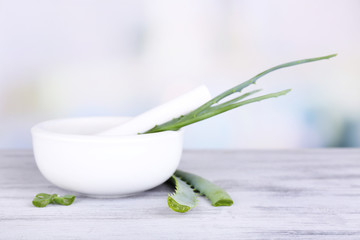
(184, 198)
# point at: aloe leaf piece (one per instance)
(184, 197)
(217, 195)
(43, 199)
(65, 200)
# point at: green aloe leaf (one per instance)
(217, 195)
(184, 197)
(213, 107)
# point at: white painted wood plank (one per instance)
(291, 194)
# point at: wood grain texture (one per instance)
(294, 194)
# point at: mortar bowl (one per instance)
(70, 155)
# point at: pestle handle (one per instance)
(163, 113)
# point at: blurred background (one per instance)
(69, 58)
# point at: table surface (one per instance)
(290, 194)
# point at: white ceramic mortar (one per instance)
(70, 156)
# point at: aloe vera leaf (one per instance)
(184, 197)
(214, 193)
(210, 109)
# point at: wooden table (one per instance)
(294, 194)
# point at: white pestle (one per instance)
(163, 113)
